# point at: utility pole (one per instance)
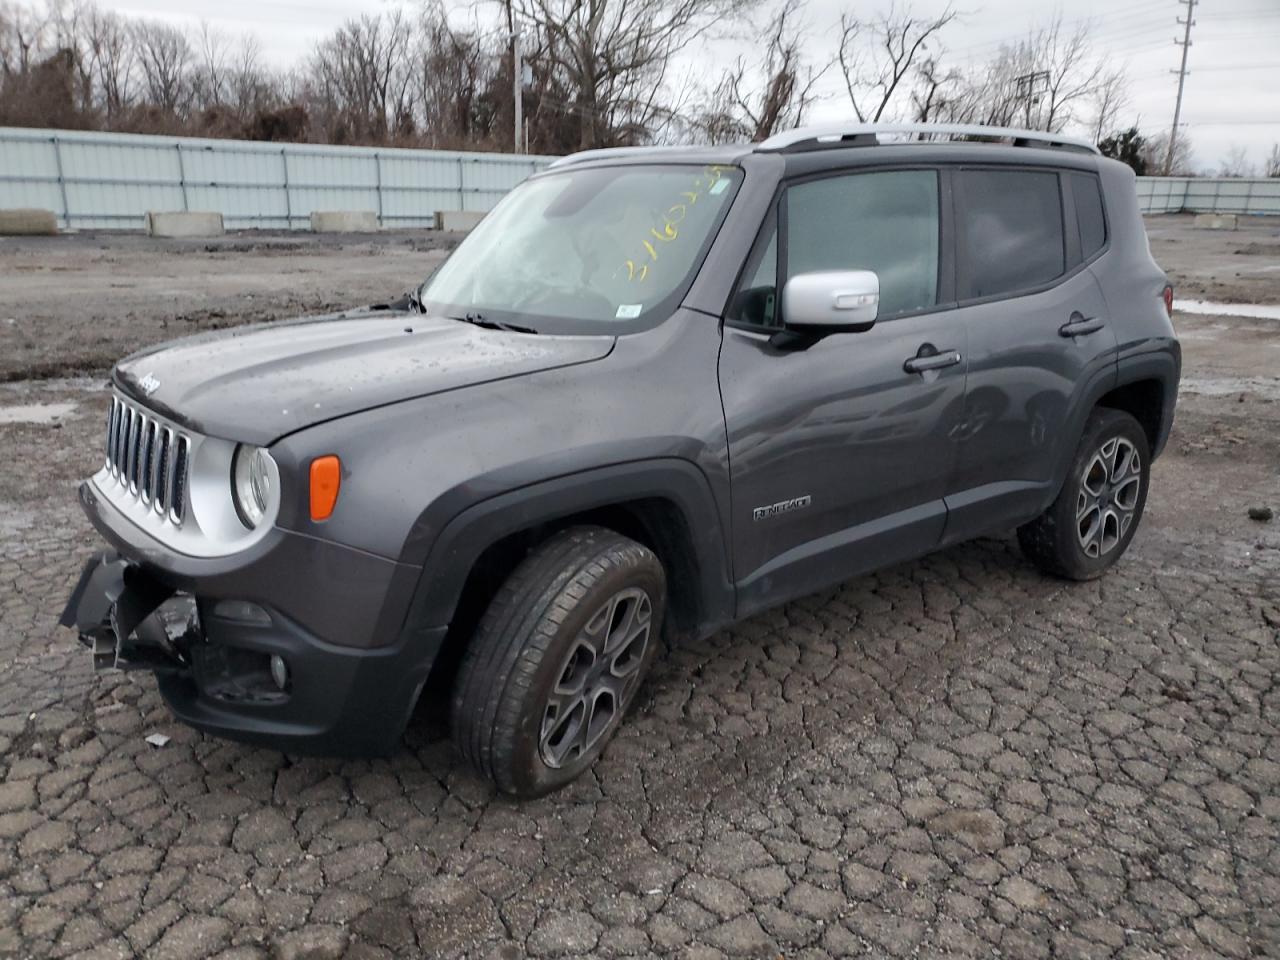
(517, 87)
(1185, 43)
(1026, 90)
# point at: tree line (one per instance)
(594, 73)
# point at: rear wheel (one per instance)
(1089, 526)
(557, 659)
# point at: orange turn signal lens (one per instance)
(326, 479)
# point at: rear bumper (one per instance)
(326, 610)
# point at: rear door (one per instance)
(1038, 332)
(840, 452)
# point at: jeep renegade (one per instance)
(654, 392)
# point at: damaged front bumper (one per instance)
(242, 649)
(114, 609)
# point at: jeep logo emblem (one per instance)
(149, 384)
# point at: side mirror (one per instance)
(834, 301)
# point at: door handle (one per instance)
(1078, 325)
(936, 361)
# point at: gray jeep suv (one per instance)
(654, 392)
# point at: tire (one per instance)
(584, 592)
(1065, 541)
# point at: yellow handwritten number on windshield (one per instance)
(670, 229)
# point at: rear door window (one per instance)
(1010, 231)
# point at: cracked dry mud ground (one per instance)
(956, 756)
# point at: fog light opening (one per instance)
(279, 672)
(242, 611)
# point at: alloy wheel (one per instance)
(596, 677)
(1108, 496)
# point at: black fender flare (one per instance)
(1162, 363)
(1102, 382)
(461, 541)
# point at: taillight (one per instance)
(1167, 294)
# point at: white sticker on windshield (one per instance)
(628, 311)
(719, 186)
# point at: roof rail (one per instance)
(867, 134)
(603, 153)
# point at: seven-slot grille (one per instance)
(149, 458)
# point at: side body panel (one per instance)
(410, 470)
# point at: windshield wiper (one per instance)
(480, 320)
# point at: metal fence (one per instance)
(108, 180)
(111, 180)
(1209, 195)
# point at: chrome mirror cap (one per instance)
(832, 301)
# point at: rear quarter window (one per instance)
(1010, 231)
(1087, 194)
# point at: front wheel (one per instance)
(557, 659)
(1089, 526)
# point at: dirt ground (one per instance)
(76, 304)
(955, 756)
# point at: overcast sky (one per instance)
(1232, 95)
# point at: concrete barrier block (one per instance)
(1217, 221)
(185, 224)
(344, 221)
(461, 221)
(28, 223)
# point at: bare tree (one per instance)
(1272, 167)
(250, 88)
(753, 103)
(942, 94)
(604, 63)
(210, 73)
(1236, 163)
(452, 68)
(110, 51)
(876, 56)
(22, 38)
(361, 74)
(1156, 146)
(1109, 97)
(1049, 80)
(164, 56)
(1071, 73)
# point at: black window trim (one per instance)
(951, 265)
(947, 270)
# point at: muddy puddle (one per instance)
(1267, 388)
(37, 413)
(1214, 308)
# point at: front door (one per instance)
(841, 452)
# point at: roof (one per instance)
(832, 136)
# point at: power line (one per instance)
(1151, 74)
(1241, 66)
(1141, 10)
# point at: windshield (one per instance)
(582, 249)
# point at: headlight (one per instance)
(253, 486)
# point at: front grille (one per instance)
(149, 458)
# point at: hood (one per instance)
(258, 383)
